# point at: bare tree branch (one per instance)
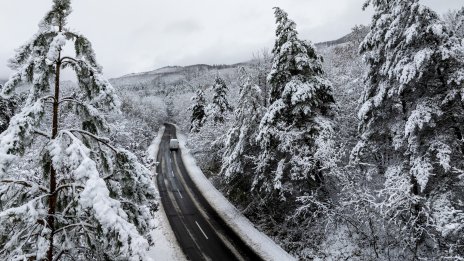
(68, 58)
(75, 225)
(41, 133)
(25, 184)
(102, 140)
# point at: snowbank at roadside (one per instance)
(166, 246)
(152, 151)
(264, 246)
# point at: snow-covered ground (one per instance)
(262, 244)
(166, 246)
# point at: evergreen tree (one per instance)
(460, 23)
(240, 146)
(412, 122)
(220, 105)
(262, 61)
(299, 111)
(6, 111)
(198, 111)
(455, 21)
(69, 194)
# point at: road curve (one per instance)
(201, 233)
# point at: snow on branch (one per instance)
(96, 89)
(95, 121)
(14, 139)
(25, 183)
(17, 77)
(72, 154)
(28, 217)
(421, 117)
(102, 140)
(55, 47)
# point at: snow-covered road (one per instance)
(207, 226)
(200, 231)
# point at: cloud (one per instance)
(187, 26)
(142, 35)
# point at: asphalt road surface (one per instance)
(201, 233)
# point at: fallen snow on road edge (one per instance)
(166, 246)
(153, 149)
(265, 247)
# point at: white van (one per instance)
(173, 144)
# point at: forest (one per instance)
(351, 149)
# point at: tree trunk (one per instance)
(53, 196)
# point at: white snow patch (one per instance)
(264, 246)
(152, 151)
(165, 246)
(55, 47)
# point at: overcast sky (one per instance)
(142, 35)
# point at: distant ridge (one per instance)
(176, 69)
(172, 75)
(364, 31)
(167, 70)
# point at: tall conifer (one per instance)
(198, 111)
(412, 118)
(79, 197)
(220, 105)
(300, 109)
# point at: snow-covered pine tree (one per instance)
(70, 194)
(412, 124)
(262, 62)
(454, 20)
(241, 148)
(460, 23)
(6, 111)
(198, 111)
(220, 105)
(300, 110)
